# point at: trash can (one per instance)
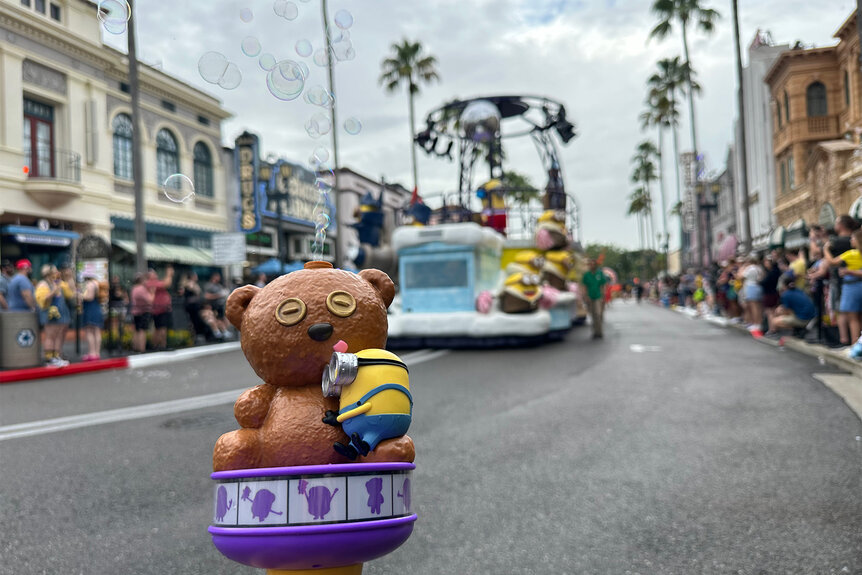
(19, 340)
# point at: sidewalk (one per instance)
(849, 388)
(119, 361)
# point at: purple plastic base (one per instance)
(312, 546)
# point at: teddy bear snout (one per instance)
(320, 331)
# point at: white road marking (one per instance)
(638, 348)
(153, 409)
(847, 387)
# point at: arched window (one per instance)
(826, 217)
(815, 98)
(167, 156)
(122, 127)
(203, 171)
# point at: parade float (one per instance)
(481, 269)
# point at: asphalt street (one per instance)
(670, 447)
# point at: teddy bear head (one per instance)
(289, 327)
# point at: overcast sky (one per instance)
(592, 55)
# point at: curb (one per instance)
(130, 362)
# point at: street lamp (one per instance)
(714, 188)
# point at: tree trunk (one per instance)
(682, 242)
(743, 150)
(413, 135)
(697, 163)
(665, 238)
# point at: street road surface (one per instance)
(670, 447)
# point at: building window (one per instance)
(203, 120)
(203, 171)
(169, 106)
(125, 88)
(791, 173)
(846, 89)
(783, 178)
(778, 107)
(55, 13)
(815, 97)
(25, 3)
(122, 127)
(786, 107)
(40, 6)
(38, 139)
(167, 156)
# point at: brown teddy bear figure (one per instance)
(288, 331)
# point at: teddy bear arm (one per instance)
(252, 406)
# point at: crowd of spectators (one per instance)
(814, 291)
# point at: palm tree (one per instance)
(639, 205)
(410, 66)
(687, 13)
(644, 173)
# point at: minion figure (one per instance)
(556, 268)
(526, 261)
(551, 232)
(375, 401)
(521, 293)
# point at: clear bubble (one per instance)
(352, 126)
(246, 15)
(319, 96)
(325, 180)
(318, 125)
(321, 154)
(178, 188)
(285, 81)
(250, 46)
(285, 9)
(212, 66)
(231, 78)
(350, 54)
(304, 67)
(303, 48)
(343, 19)
(114, 14)
(320, 57)
(267, 61)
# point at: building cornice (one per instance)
(844, 29)
(783, 60)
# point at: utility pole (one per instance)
(743, 149)
(332, 114)
(137, 161)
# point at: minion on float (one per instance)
(551, 232)
(522, 293)
(556, 268)
(374, 398)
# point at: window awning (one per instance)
(776, 238)
(796, 236)
(170, 253)
(856, 208)
(34, 235)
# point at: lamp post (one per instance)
(708, 205)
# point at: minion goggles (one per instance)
(343, 369)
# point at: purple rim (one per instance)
(334, 468)
(312, 529)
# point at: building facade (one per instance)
(66, 141)
(817, 122)
(760, 163)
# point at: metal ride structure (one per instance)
(478, 127)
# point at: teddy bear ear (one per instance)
(381, 282)
(237, 302)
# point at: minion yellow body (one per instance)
(377, 405)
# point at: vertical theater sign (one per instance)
(245, 152)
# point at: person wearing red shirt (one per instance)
(161, 305)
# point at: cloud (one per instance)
(592, 55)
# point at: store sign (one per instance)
(302, 193)
(245, 154)
(95, 268)
(42, 240)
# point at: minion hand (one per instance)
(331, 418)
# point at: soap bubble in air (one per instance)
(318, 125)
(178, 188)
(250, 46)
(303, 48)
(352, 126)
(285, 80)
(246, 15)
(266, 61)
(114, 15)
(343, 19)
(231, 78)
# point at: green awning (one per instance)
(170, 253)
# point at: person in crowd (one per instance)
(769, 282)
(162, 308)
(637, 289)
(118, 303)
(7, 270)
(752, 292)
(835, 247)
(190, 290)
(796, 263)
(67, 279)
(142, 305)
(796, 309)
(52, 295)
(92, 318)
(215, 294)
(850, 270)
(21, 294)
(261, 280)
(594, 280)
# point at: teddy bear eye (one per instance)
(341, 303)
(290, 312)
